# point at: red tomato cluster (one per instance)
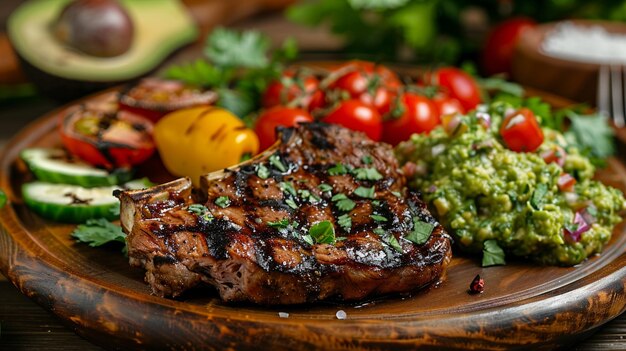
(366, 97)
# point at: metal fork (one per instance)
(611, 93)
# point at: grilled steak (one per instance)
(323, 215)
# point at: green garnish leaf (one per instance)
(97, 232)
(239, 102)
(197, 209)
(343, 202)
(262, 171)
(493, 255)
(305, 194)
(323, 232)
(222, 201)
(376, 4)
(500, 85)
(308, 239)
(368, 193)
(201, 211)
(288, 188)
(421, 232)
(228, 48)
(396, 193)
(367, 159)
(276, 162)
(393, 242)
(378, 218)
(114, 211)
(345, 222)
(291, 204)
(338, 169)
(538, 197)
(325, 187)
(283, 223)
(591, 133)
(379, 231)
(367, 174)
(199, 73)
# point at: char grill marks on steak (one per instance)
(250, 234)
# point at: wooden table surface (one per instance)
(27, 326)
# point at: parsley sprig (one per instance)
(97, 232)
(238, 66)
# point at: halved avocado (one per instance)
(160, 27)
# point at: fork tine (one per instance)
(603, 99)
(617, 95)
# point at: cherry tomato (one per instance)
(497, 54)
(359, 116)
(420, 116)
(521, 132)
(289, 89)
(373, 84)
(266, 124)
(153, 98)
(117, 139)
(447, 105)
(457, 84)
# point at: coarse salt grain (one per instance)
(341, 314)
(590, 44)
(283, 314)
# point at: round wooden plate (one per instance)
(96, 292)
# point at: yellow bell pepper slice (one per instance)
(199, 140)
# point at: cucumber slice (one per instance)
(54, 166)
(73, 203)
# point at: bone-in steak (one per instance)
(323, 215)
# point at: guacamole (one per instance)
(483, 192)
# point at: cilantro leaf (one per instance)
(367, 159)
(283, 223)
(368, 193)
(591, 132)
(199, 73)
(228, 48)
(379, 231)
(97, 232)
(393, 242)
(343, 202)
(367, 174)
(323, 232)
(338, 169)
(493, 255)
(378, 218)
(236, 101)
(538, 197)
(325, 187)
(345, 222)
(498, 84)
(421, 231)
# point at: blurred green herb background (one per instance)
(441, 31)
